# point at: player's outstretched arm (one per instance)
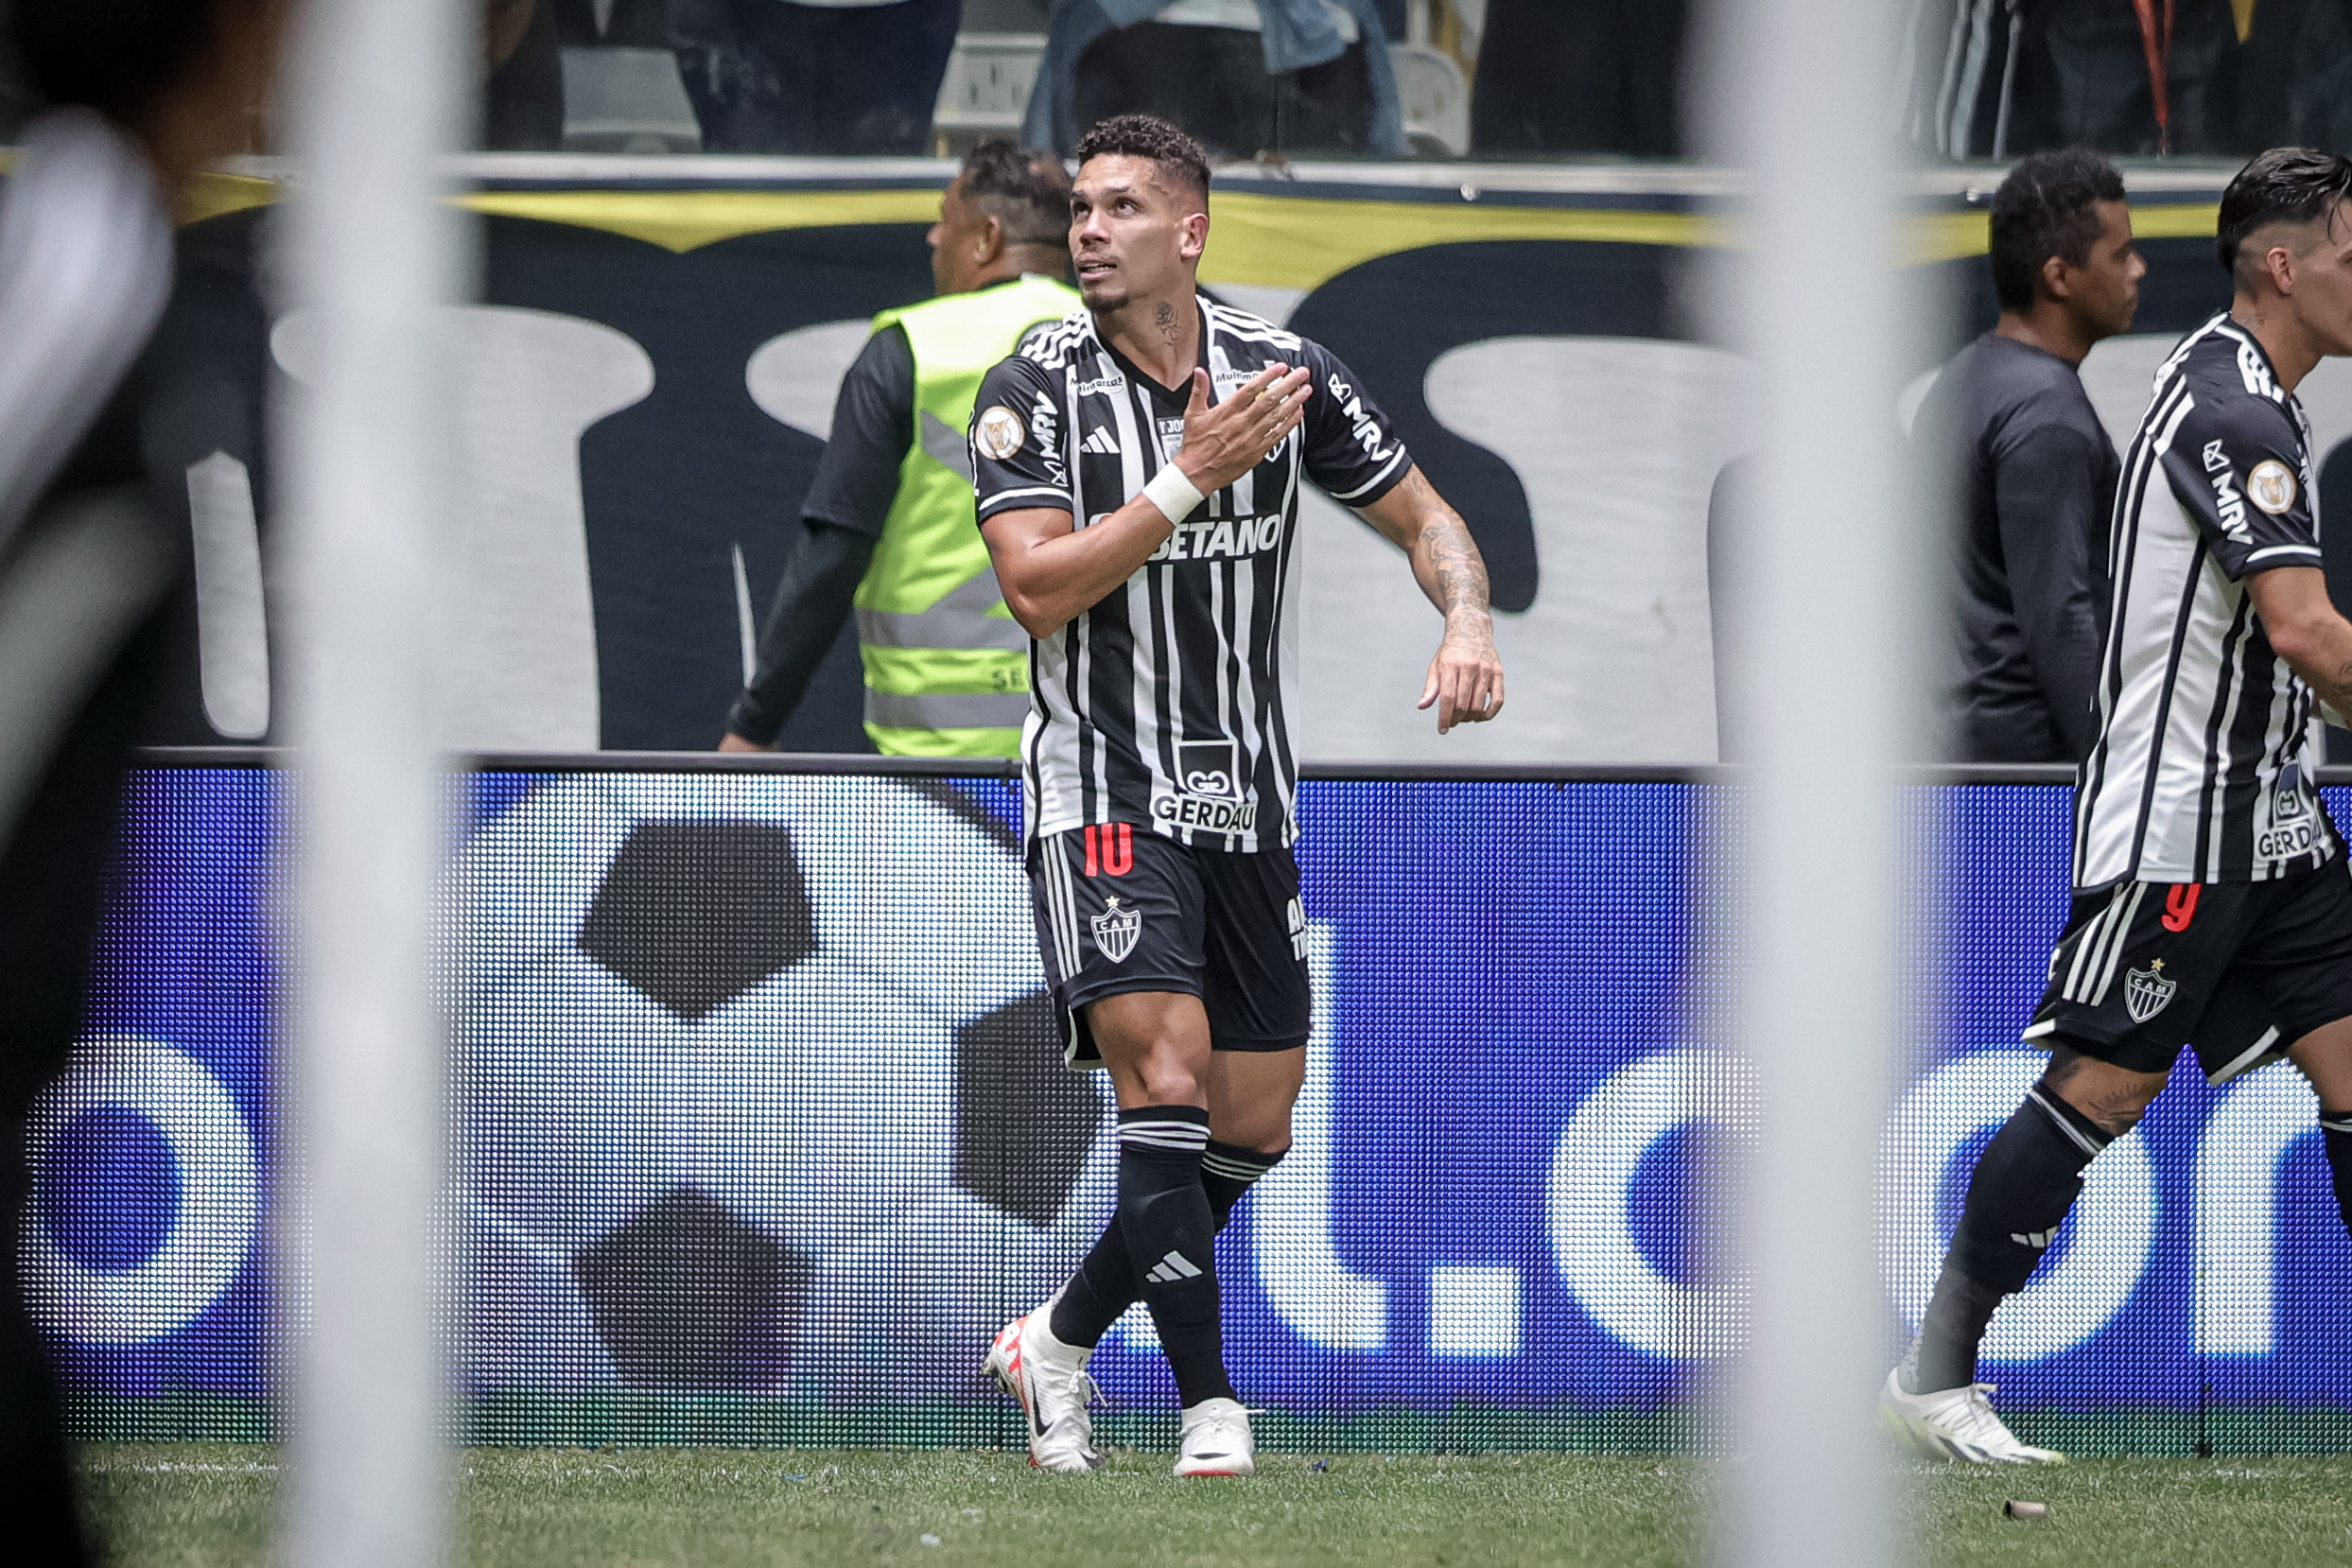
(1053, 572)
(2307, 631)
(1466, 678)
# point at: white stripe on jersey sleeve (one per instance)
(1375, 482)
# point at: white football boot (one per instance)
(1217, 1440)
(1048, 1380)
(1956, 1423)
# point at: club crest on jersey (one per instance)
(1000, 432)
(1116, 930)
(2272, 486)
(2147, 992)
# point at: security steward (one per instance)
(888, 524)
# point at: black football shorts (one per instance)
(1120, 909)
(2241, 971)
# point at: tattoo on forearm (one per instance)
(1454, 565)
(2338, 692)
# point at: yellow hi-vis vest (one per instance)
(946, 667)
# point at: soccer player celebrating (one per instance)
(1138, 468)
(2212, 901)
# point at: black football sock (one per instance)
(1106, 1284)
(2336, 1127)
(2025, 1181)
(1172, 1237)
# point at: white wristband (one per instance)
(1173, 492)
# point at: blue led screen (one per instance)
(761, 1133)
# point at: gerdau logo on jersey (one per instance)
(1209, 797)
(1221, 539)
(2225, 492)
(2291, 830)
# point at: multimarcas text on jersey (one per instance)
(2201, 773)
(1172, 702)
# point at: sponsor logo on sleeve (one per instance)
(2272, 486)
(1000, 432)
(2227, 501)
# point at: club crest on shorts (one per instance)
(1117, 929)
(2147, 992)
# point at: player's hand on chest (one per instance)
(1226, 439)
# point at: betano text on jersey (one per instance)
(1171, 703)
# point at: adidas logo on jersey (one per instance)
(1174, 1266)
(1101, 442)
(2038, 1240)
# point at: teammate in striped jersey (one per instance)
(2212, 901)
(1139, 469)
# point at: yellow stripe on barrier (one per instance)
(1950, 236)
(687, 220)
(214, 195)
(1299, 242)
(1256, 237)
(2176, 222)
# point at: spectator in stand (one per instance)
(1313, 79)
(814, 76)
(2295, 71)
(2160, 76)
(523, 97)
(2009, 416)
(1600, 76)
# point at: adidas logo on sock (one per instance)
(1101, 440)
(2038, 1240)
(1174, 1266)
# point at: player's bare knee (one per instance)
(1170, 1078)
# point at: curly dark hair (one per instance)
(2048, 206)
(1025, 190)
(1149, 136)
(2286, 184)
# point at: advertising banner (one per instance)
(647, 383)
(760, 1130)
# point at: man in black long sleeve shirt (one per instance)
(2040, 471)
(840, 520)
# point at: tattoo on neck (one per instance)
(1165, 318)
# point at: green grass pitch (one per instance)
(212, 1505)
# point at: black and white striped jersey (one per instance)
(1172, 702)
(2201, 773)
